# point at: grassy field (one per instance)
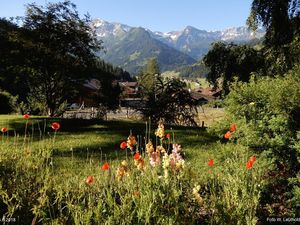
(100, 140)
(209, 115)
(44, 175)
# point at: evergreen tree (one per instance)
(149, 77)
(109, 92)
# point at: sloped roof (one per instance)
(93, 84)
(209, 91)
(128, 84)
(198, 96)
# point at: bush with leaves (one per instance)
(295, 182)
(267, 111)
(171, 102)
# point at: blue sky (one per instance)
(157, 15)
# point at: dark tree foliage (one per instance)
(13, 77)
(45, 62)
(281, 19)
(7, 103)
(277, 16)
(118, 72)
(109, 92)
(280, 52)
(227, 61)
(59, 52)
(167, 100)
(193, 71)
(171, 102)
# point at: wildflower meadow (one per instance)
(69, 172)
(110, 123)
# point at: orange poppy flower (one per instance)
(55, 126)
(233, 127)
(252, 158)
(168, 136)
(89, 180)
(105, 167)
(137, 156)
(210, 162)
(26, 116)
(227, 135)
(123, 145)
(249, 164)
(4, 130)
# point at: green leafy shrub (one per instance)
(267, 111)
(295, 198)
(171, 102)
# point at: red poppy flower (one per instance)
(105, 167)
(4, 130)
(123, 145)
(89, 180)
(249, 164)
(26, 116)
(252, 158)
(137, 156)
(227, 135)
(210, 162)
(168, 136)
(55, 126)
(233, 127)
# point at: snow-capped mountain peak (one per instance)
(190, 40)
(106, 29)
(240, 34)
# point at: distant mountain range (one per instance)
(131, 47)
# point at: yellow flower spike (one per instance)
(160, 131)
(131, 141)
(149, 148)
(124, 163)
(160, 150)
(122, 170)
(196, 194)
(141, 164)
